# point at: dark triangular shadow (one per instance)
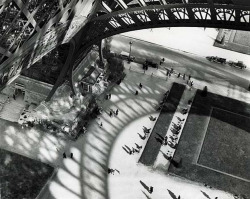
(205, 194)
(173, 195)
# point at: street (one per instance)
(196, 66)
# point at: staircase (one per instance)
(11, 110)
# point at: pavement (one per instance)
(161, 162)
(85, 176)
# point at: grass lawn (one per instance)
(226, 146)
(214, 145)
(21, 177)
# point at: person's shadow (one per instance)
(144, 185)
(146, 195)
(173, 195)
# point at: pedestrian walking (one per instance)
(172, 70)
(109, 95)
(100, 124)
(135, 150)
(177, 127)
(179, 119)
(189, 77)
(165, 141)
(138, 146)
(146, 130)
(71, 155)
(163, 59)
(184, 111)
(127, 151)
(111, 171)
(64, 155)
(140, 86)
(116, 112)
(110, 113)
(184, 76)
(152, 118)
(136, 92)
(175, 131)
(128, 148)
(14, 96)
(161, 62)
(151, 189)
(142, 137)
(179, 74)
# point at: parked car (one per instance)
(238, 64)
(126, 56)
(216, 59)
(151, 63)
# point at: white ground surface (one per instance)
(192, 40)
(85, 176)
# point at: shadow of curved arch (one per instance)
(102, 162)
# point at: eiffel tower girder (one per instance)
(44, 31)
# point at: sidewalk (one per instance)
(166, 150)
(216, 85)
(152, 148)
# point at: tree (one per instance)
(115, 68)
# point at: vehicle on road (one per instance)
(216, 59)
(149, 63)
(238, 64)
(125, 55)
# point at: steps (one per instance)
(11, 110)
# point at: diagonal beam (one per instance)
(122, 4)
(142, 2)
(25, 11)
(163, 2)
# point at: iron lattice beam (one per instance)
(170, 15)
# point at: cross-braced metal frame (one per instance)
(25, 19)
(170, 15)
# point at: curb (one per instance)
(39, 196)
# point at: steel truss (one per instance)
(170, 15)
(29, 29)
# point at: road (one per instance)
(183, 62)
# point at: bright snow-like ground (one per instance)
(192, 40)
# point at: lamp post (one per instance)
(130, 43)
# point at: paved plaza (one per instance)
(86, 176)
(124, 99)
(101, 148)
